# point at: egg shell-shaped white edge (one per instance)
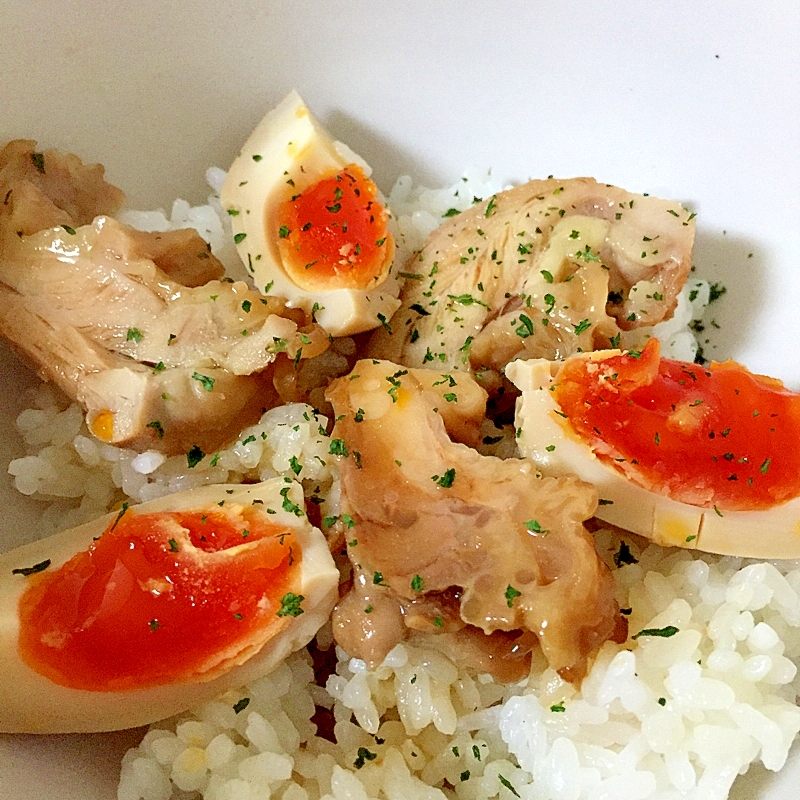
(550, 441)
(287, 137)
(31, 703)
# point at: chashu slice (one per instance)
(155, 363)
(541, 270)
(433, 517)
(133, 325)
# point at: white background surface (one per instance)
(695, 101)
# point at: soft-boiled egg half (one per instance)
(159, 607)
(699, 457)
(310, 224)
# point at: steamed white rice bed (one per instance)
(613, 739)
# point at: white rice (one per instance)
(658, 717)
(676, 717)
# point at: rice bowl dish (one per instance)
(689, 657)
(647, 720)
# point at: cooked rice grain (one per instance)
(658, 717)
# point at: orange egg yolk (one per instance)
(332, 235)
(713, 437)
(160, 598)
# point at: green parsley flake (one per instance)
(416, 583)
(446, 480)
(134, 335)
(466, 300)
(25, 571)
(338, 448)
(507, 784)
(288, 505)
(534, 526)
(194, 456)
(290, 605)
(364, 755)
(239, 238)
(511, 595)
(666, 632)
(526, 327)
(624, 556)
(157, 427)
(241, 705)
(207, 383)
(123, 509)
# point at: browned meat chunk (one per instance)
(541, 270)
(100, 310)
(44, 189)
(482, 541)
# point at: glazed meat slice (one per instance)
(99, 310)
(50, 189)
(155, 363)
(541, 270)
(43, 189)
(480, 540)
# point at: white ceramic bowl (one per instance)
(698, 102)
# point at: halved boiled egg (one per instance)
(310, 224)
(159, 607)
(703, 458)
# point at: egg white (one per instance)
(287, 141)
(557, 449)
(31, 703)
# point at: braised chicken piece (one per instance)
(446, 540)
(542, 270)
(45, 189)
(135, 326)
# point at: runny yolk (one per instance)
(332, 235)
(714, 437)
(160, 599)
